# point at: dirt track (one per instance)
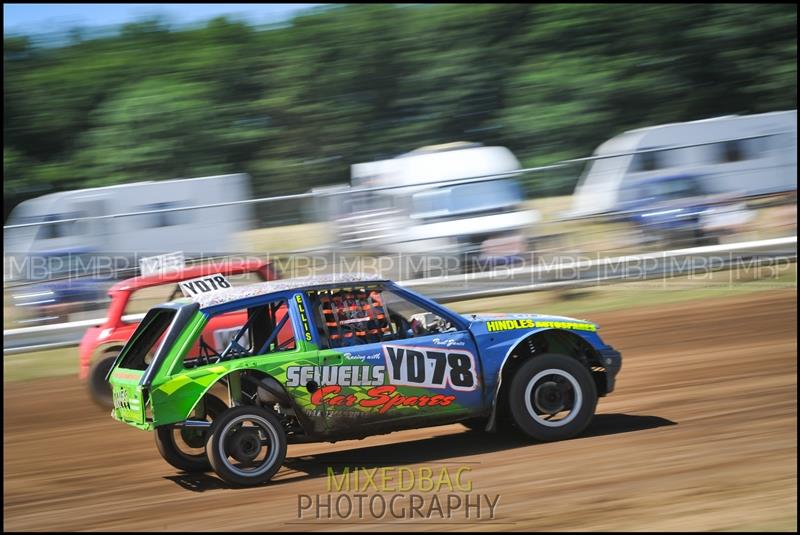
(701, 434)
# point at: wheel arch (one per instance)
(252, 386)
(530, 346)
(242, 383)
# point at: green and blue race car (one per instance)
(344, 357)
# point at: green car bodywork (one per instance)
(173, 392)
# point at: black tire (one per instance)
(223, 443)
(532, 398)
(475, 424)
(170, 450)
(99, 389)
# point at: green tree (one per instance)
(297, 104)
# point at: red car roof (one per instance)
(231, 267)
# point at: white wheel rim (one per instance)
(576, 406)
(273, 447)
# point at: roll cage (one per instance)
(259, 313)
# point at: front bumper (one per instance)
(611, 359)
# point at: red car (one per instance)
(100, 344)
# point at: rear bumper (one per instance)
(611, 359)
(144, 426)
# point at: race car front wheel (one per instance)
(247, 445)
(552, 397)
(185, 447)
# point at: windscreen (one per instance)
(462, 198)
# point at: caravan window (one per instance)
(644, 161)
(676, 157)
(165, 219)
(464, 198)
(660, 159)
(754, 148)
(738, 150)
(58, 230)
(732, 151)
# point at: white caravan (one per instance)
(203, 231)
(433, 207)
(749, 154)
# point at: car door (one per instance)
(379, 366)
(270, 336)
(284, 336)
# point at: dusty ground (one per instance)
(701, 434)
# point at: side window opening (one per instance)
(350, 316)
(271, 328)
(261, 330)
(413, 320)
(356, 316)
(147, 339)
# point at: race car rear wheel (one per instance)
(247, 445)
(552, 397)
(99, 389)
(185, 447)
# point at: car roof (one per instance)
(229, 267)
(222, 297)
